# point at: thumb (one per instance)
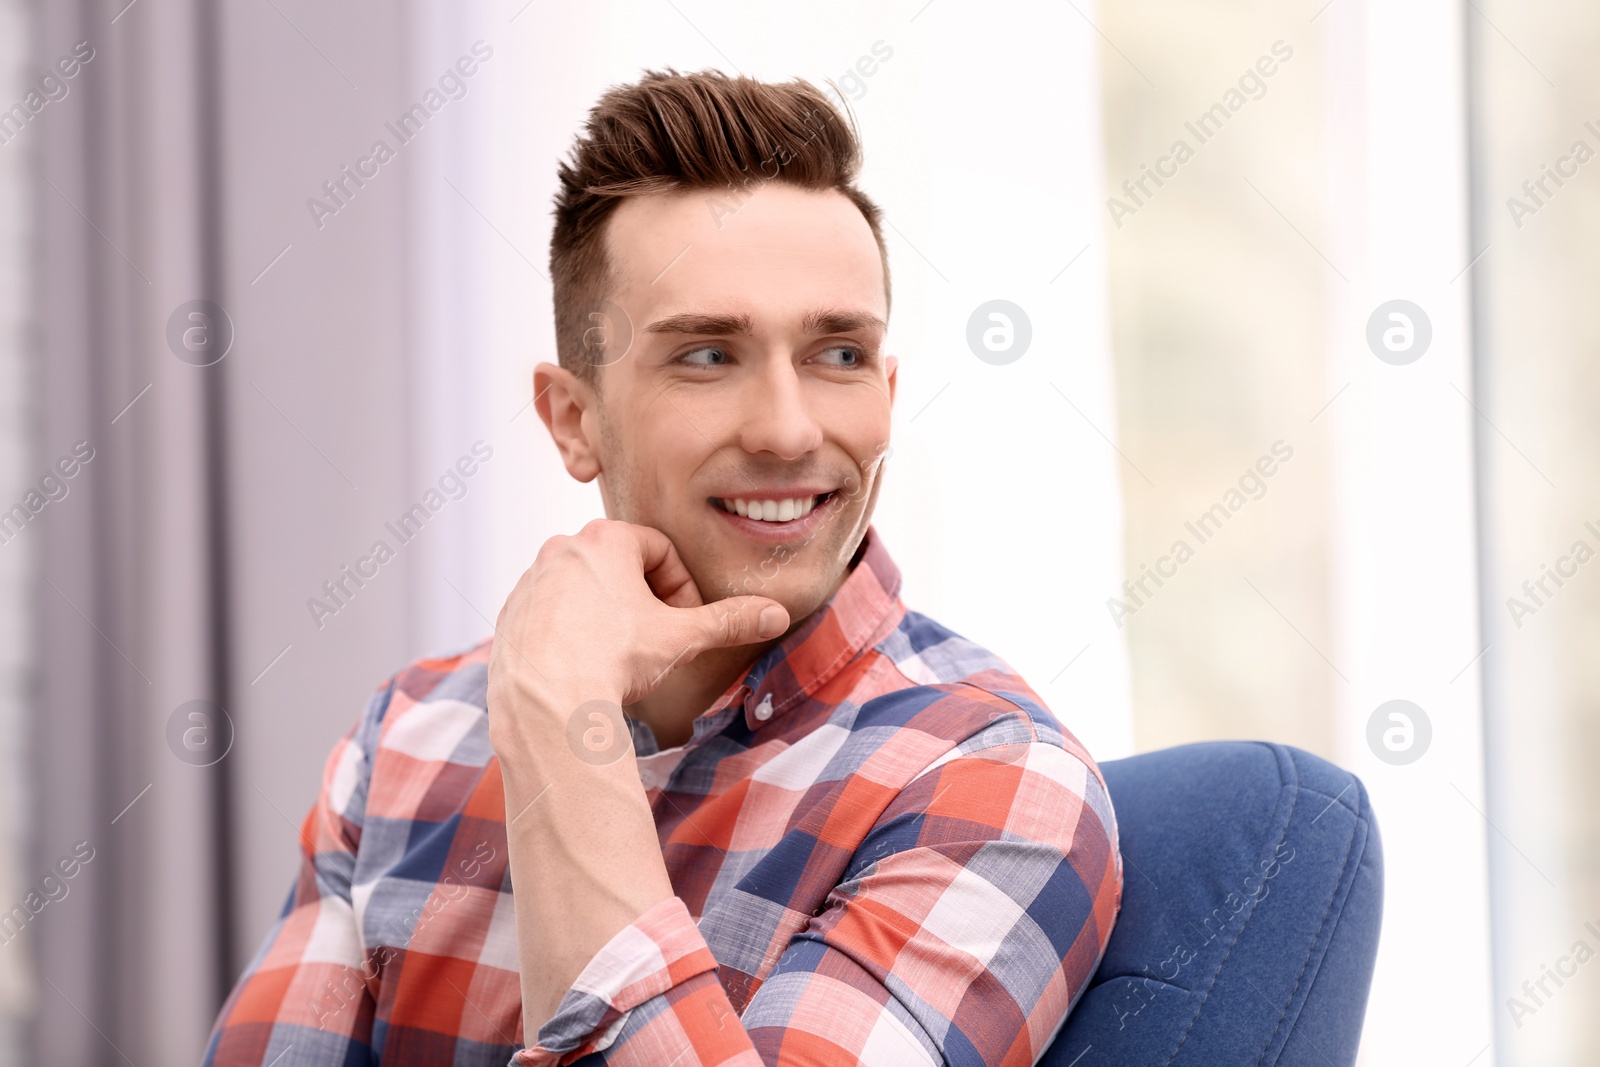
(738, 620)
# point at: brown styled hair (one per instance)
(672, 131)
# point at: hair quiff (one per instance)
(670, 132)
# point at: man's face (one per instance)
(754, 383)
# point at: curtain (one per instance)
(232, 374)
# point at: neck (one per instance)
(671, 708)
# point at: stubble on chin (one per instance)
(803, 578)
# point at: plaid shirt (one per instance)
(885, 851)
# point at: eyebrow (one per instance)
(818, 321)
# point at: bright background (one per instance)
(1173, 345)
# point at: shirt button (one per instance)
(764, 709)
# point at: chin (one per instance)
(798, 584)
(800, 605)
(796, 561)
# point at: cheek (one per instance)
(673, 464)
(871, 451)
(672, 450)
(647, 462)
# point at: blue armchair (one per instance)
(1252, 899)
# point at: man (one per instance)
(754, 810)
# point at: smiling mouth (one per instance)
(784, 509)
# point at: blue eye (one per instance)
(689, 357)
(854, 352)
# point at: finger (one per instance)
(737, 620)
(664, 570)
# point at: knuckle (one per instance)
(734, 624)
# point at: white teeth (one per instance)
(771, 510)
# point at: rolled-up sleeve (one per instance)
(968, 924)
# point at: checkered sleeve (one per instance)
(307, 995)
(967, 925)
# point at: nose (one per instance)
(776, 413)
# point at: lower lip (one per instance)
(778, 532)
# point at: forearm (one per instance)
(607, 613)
(584, 855)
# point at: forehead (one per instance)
(774, 250)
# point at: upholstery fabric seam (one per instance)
(1344, 867)
(1294, 800)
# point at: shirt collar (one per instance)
(864, 609)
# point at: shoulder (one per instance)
(431, 712)
(429, 706)
(959, 732)
(962, 682)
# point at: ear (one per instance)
(893, 363)
(563, 400)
